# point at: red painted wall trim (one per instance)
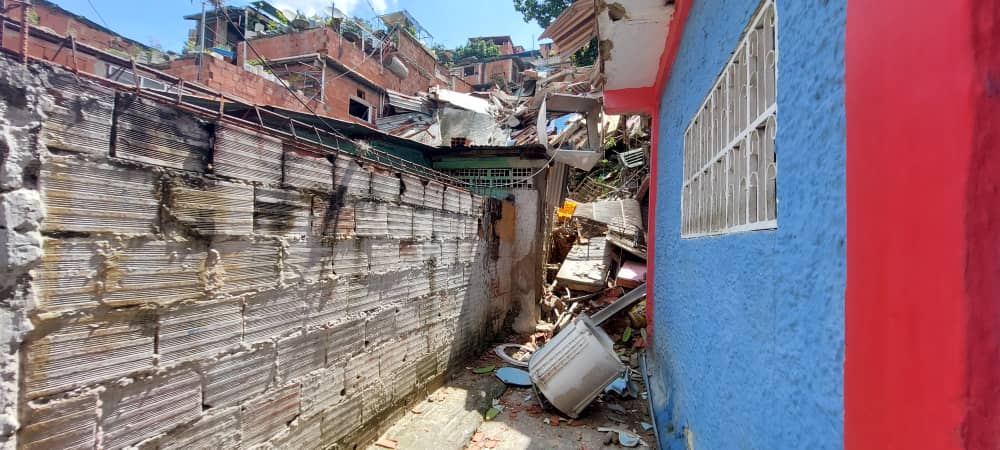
(630, 101)
(923, 286)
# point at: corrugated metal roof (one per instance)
(573, 28)
(405, 102)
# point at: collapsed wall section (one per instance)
(169, 279)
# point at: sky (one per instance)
(451, 22)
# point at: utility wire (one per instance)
(98, 14)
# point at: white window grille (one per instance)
(730, 169)
(507, 178)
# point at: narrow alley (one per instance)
(513, 224)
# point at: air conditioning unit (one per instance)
(633, 158)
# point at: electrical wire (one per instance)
(98, 13)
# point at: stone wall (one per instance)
(170, 280)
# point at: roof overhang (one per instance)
(634, 31)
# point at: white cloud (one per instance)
(349, 7)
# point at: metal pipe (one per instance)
(201, 40)
(25, 7)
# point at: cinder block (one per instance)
(218, 429)
(300, 354)
(430, 310)
(352, 180)
(362, 293)
(346, 339)
(69, 353)
(478, 205)
(307, 170)
(423, 223)
(99, 198)
(426, 368)
(211, 208)
(413, 190)
(308, 261)
(380, 327)
(323, 305)
(452, 200)
(281, 212)
(401, 222)
(235, 378)
(420, 282)
(267, 415)
(246, 265)
(362, 370)
(154, 133)
(383, 255)
(449, 253)
(69, 423)
(149, 406)
(410, 255)
(247, 155)
(302, 434)
(465, 202)
(371, 219)
(322, 390)
(350, 257)
(386, 186)
(273, 314)
(342, 419)
(408, 317)
(85, 273)
(392, 288)
(433, 195)
(198, 330)
(332, 217)
(80, 117)
(375, 399)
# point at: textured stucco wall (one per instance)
(749, 328)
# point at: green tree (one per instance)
(586, 55)
(542, 12)
(479, 48)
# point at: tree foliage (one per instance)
(542, 12)
(586, 55)
(479, 48)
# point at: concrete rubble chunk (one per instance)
(232, 379)
(269, 414)
(149, 406)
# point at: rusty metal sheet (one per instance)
(281, 212)
(80, 118)
(100, 198)
(306, 170)
(247, 155)
(152, 133)
(208, 207)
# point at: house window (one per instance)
(469, 71)
(730, 165)
(361, 94)
(360, 109)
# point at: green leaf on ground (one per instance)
(627, 334)
(484, 369)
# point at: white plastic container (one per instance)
(575, 366)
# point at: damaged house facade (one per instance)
(796, 299)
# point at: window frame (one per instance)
(712, 143)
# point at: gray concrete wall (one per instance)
(169, 280)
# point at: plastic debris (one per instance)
(625, 438)
(492, 413)
(619, 385)
(484, 369)
(646, 426)
(515, 377)
(524, 351)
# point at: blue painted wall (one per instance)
(749, 327)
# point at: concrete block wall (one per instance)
(183, 281)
